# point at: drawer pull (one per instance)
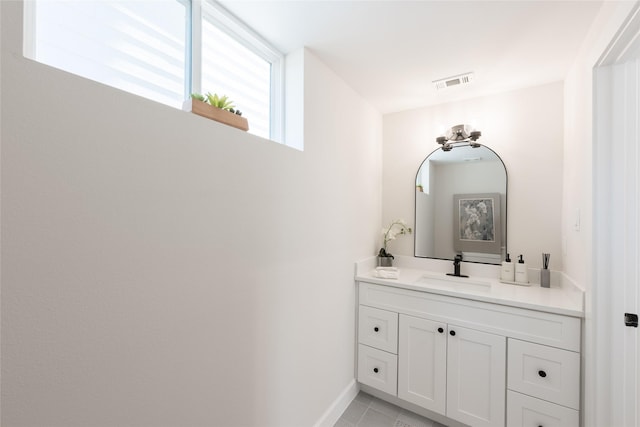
(440, 330)
(452, 333)
(542, 374)
(375, 370)
(376, 329)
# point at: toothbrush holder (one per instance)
(545, 278)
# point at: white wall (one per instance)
(524, 127)
(160, 269)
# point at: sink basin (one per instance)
(454, 283)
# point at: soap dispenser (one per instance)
(522, 276)
(507, 274)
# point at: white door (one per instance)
(476, 377)
(422, 363)
(626, 235)
(616, 369)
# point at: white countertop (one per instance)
(482, 285)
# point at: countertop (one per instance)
(562, 297)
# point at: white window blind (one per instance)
(137, 46)
(236, 62)
(229, 68)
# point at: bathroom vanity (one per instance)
(470, 351)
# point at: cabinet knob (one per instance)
(542, 374)
(375, 370)
(452, 333)
(440, 330)
(376, 329)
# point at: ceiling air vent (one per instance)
(453, 81)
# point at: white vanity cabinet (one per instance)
(475, 362)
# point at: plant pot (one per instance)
(214, 113)
(385, 261)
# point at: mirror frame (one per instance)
(504, 214)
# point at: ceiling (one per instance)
(390, 51)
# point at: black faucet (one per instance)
(456, 267)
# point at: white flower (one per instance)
(397, 227)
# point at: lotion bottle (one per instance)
(522, 276)
(507, 274)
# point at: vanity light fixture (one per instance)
(459, 134)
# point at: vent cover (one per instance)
(453, 81)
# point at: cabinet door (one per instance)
(422, 363)
(476, 375)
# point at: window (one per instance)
(162, 50)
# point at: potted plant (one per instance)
(218, 108)
(397, 227)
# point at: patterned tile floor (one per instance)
(369, 411)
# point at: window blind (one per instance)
(136, 46)
(229, 68)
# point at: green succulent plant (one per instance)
(222, 102)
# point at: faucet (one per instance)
(456, 267)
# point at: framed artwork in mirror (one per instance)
(476, 223)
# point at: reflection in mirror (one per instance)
(461, 205)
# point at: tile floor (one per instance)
(369, 411)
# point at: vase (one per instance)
(385, 261)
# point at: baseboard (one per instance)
(335, 410)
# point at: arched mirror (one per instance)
(461, 205)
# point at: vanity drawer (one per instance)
(378, 369)
(378, 328)
(527, 411)
(548, 373)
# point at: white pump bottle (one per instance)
(522, 274)
(507, 274)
